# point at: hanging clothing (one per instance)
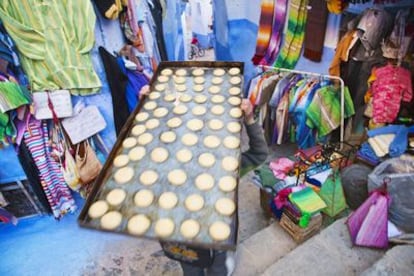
(57, 192)
(117, 83)
(157, 9)
(110, 8)
(54, 39)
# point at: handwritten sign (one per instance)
(85, 124)
(61, 100)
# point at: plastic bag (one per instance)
(400, 171)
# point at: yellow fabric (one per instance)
(54, 39)
(341, 53)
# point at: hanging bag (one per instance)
(87, 162)
(333, 195)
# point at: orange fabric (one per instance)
(341, 53)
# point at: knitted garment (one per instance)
(295, 35)
(265, 30)
(57, 192)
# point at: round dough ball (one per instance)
(162, 78)
(234, 127)
(225, 206)
(217, 109)
(168, 200)
(152, 123)
(144, 198)
(148, 177)
(199, 110)
(234, 100)
(169, 97)
(159, 155)
(217, 99)
(150, 105)
(215, 124)
(142, 116)
(166, 72)
(190, 228)
(138, 224)
(195, 124)
(194, 203)
(138, 130)
(98, 209)
(216, 80)
(154, 95)
(137, 153)
(206, 160)
(229, 163)
(180, 109)
(111, 220)
(214, 89)
(227, 183)
(184, 155)
(180, 87)
(204, 182)
(129, 142)
(219, 231)
(234, 91)
(168, 137)
(160, 87)
(160, 112)
(174, 122)
(181, 72)
(231, 142)
(199, 80)
(121, 160)
(236, 112)
(211, 141)
(124, 175)
(198, 88)
(189, 139)
(177, 177)
(234, 71)
(200, 99)
(164, 227)
(145, 139)
(116, 197)
(185, 98)
(219, 72)
(235, 80)
(198, 72)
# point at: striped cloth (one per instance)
(57, 192)
(54, 39)
(265, 30)
(295, 35)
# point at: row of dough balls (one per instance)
(160, 112)
(139, 224)
(219, 72)
(197, 87)
(125, 174)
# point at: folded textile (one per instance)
(281, 167)
(381, 144)
(307, 200)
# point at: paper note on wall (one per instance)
(85, 124)
(61, 100)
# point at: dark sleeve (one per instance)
(257, 152)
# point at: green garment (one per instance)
(324, 112)
(54, 38)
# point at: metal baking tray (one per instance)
(105, 181)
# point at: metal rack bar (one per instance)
(342, 84)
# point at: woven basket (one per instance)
(301, 234)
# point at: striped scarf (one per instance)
(265, 30)
(57, 192)
(292, 46)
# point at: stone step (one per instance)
(262, 249)
(328, 253)
(397, 261)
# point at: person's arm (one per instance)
(258, 151)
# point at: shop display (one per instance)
(173, 172)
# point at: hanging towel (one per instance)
(265, 30)
(57, 192)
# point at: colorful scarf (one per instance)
(265, 30)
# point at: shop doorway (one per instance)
(199, 30)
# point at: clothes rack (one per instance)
(323, 76)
